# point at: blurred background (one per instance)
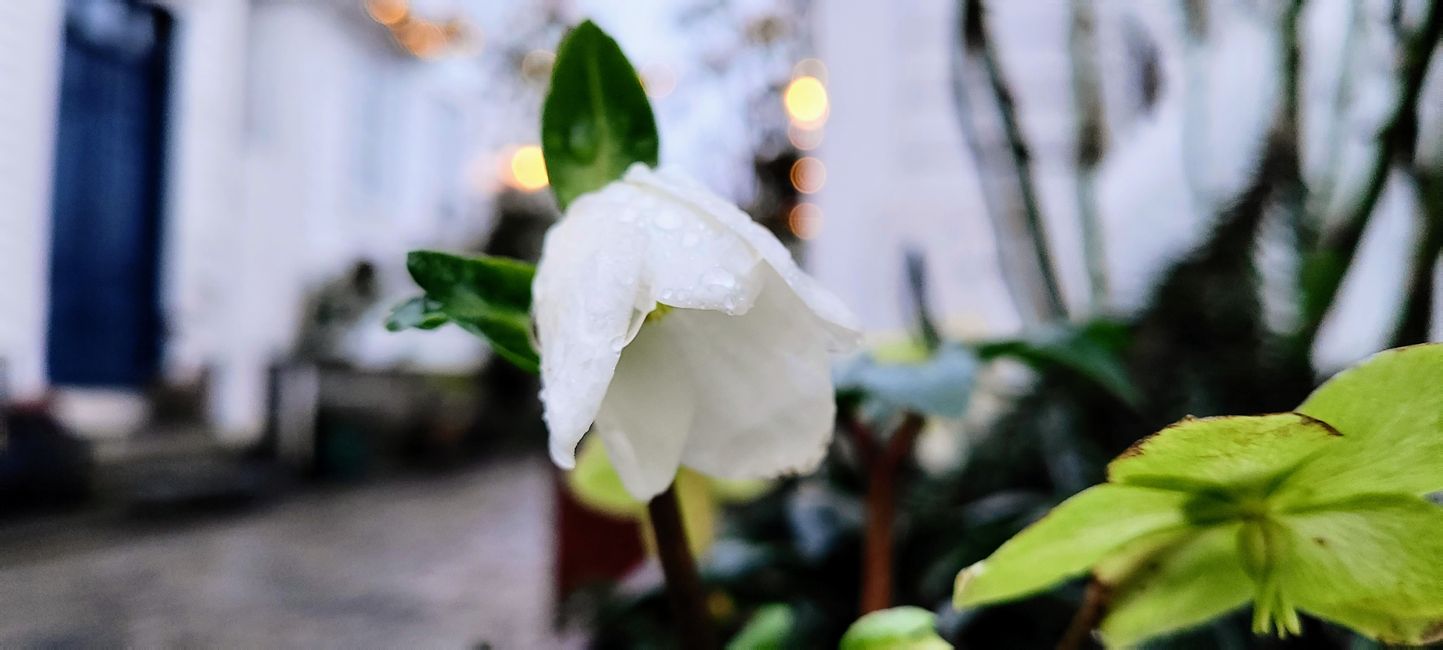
(205, 205)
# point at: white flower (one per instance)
(686, 333)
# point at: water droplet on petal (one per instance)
(667, 220)
(719, 278)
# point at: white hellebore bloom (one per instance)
(686, 334)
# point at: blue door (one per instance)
(105, 325)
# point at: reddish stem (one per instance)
(882, 511)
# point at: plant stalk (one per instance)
(1094, 605)
(877, 546)
(683, 583)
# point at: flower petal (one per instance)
(586, 307)
(840, 323)
(1077, 534)
(764, 399)
(646, 416)
(1373, 563)
(1177, 586)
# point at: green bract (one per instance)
(1319, 511)
(487, 296)
(899, 628)
(596, 120)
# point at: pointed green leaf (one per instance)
(1233, 454)
(1390, 412)
(770, 628)
(1373, 563)
(1181, 584)
(1093, 351)
(418, 313)
(899, 628)
(596, 120)
(488, 296)
(1068, 541)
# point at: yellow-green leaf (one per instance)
(1232, 454)
(1390, 412)
(1373, 563)
(899, 628)
(770, 628)
(1070, 540)
(1177, 586)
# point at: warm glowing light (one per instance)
(808, 175)
(806, 100)
(804, 139)
(421, 38)
(805, 220)
(387, 12)
(526, 170)
(536, 65)
(659, 81)
(810, 68)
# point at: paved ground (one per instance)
(441, 562)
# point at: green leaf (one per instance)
(1373, 563)
(941, 384)
(1093, 351)
(1068, 541)
(899, 628)
(1178, 585)
(1239, 454)
(1390, 412)
(487, 296)
(418, 313)
(770, 628)
(596, 120)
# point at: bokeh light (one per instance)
(536, 65)
(387, 12)
(806, 100)
(810, 68)
(804, 139)
(808, 174)
(526, 169)
(805, 220)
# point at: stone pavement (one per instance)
(450, 561)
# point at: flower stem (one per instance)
(1094, 603)
(882, 513)
(683, 584)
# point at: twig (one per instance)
(1091, 144)
(1094, 605)
(1016, 215)
(683, 584)
(877, 546)
(1326, 267)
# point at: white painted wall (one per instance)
(29, 82)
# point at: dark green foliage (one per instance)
(596, 120)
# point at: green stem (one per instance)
(683, 583)
(1091, 143)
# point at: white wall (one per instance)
(30, 38)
